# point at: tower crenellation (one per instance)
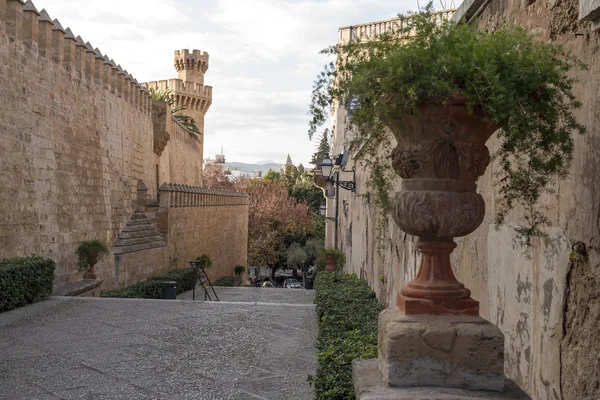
(191, 66)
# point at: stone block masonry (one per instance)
(74, 140)
(76, 137)
(205, 221)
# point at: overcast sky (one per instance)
(264, 56)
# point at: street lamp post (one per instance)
(326, 166)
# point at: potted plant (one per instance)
(88, 254)
(203, 262)
(330, 259)
(442, 90)
(238, 270)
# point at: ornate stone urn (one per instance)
(440, 154)
(435, 336)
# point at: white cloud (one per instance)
(263, 58)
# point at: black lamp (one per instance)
(326, 166)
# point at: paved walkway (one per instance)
(78, 348)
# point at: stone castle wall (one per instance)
(181, 161)
(76, 135)
(74, 140)
(533, 300)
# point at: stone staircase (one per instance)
(139, 234)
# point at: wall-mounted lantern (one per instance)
(323, 212)
(326, 167)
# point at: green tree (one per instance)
(296, 259)
(272, 176)
(322, 149)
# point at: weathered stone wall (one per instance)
(140, 265)
(73, 143)
(205, 221)
(525, 296)
(181, 161)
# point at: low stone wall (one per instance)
(204, 221)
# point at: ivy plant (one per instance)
(524, 86)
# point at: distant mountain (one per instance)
(263, 162)
(256, 167)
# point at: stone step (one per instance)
(139, 221)
(138, 216)
(139, 240)
(137, 234)
(138, 228)
(138, 247)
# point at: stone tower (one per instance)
(191, 92)
(189, 89)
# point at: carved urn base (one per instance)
(436, 290)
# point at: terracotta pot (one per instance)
(440, 154)
(93, 261)
(331, 264)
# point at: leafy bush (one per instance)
(340, 258)
(152, 288)
(24, 281)
(238, 270)
(347, 310)
(224, 281)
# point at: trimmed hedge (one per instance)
(24, 281)
(224, 281)
(152, 288)
(347, 310)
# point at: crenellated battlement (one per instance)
(46, 36)
(177, 85)
(196, 60)
(191, 66)
(191, 95)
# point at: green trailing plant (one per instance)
(152, 288)
(88, 250)
(186, 121)
(25, 280)
(203, 262)
(347, 311)
(522, 85)
(326, 252)
(238, 270)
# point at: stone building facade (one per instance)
(84, 151)
(546, 303)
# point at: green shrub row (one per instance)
(152, 288)
(24, 281)
(347, 310)
(224, 281)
